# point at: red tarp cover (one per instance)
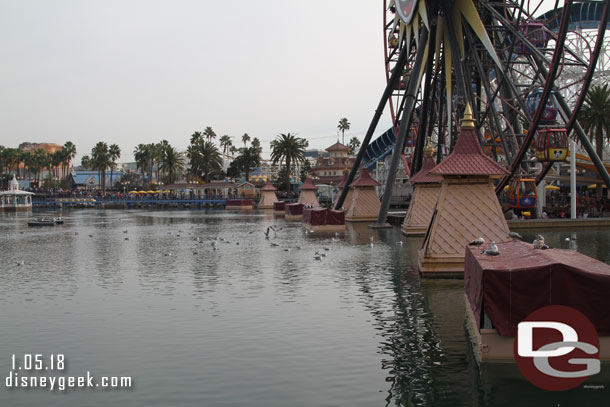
(335, 217)
(239, 202)
(522, 279)
(294, 209)
(279, 206)
(314, 216)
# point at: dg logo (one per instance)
(556, 348)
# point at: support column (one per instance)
(573, 179)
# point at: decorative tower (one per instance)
(308, 194)
(364, 203)
(467, 206)
(268, 197)
(427, 187)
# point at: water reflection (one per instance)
(201, 309)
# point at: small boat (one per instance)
(42, 222)
(59, 221)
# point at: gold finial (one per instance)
(428, 150)
(467, 121)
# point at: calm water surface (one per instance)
(144, 294)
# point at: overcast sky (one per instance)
(139, 71)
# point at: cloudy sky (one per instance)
(139, 71)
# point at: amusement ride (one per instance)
(523, 66)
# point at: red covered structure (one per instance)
(501, 291)
(279, 208)
(323, 220)
(238, 204)
(293, 211)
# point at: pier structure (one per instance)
(427, 188)
(467, 207)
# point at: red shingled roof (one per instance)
(423, 175)
(338, 147)
(365, 180)
(467, 158)
(308, 184)
(268, 187)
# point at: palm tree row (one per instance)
(170, 162)
(35, 162)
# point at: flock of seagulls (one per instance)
(493, 250)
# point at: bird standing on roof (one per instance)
(492, 250)
(515, 235)
(477, 242)
(539, 242)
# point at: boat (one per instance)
(42, 222)
(58, 221)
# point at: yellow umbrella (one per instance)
(133, 192)
(506, 187)
(592, 186)
(150, 192)
(552, 187)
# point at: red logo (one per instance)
(556, 348)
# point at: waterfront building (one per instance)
(15, 199)
(427, 188)
(330, 170)
(467, 207)
(91, 179)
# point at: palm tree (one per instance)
(233, 150)
(158, 152)
(100, 160)
(343, 127)
(171, 163)
(225, 143)
(70, 152)
(353, 145)
(209, 133)
(114, 152)
(595, 116)
(196, 136)
(289, 148)
(257, 145)
(245, 138)
(205, 159)
(142, 157)
(248, 159)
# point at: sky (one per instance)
(140, 71)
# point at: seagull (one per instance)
(317, 257)
(237, 243)
(323, 254)
(298, 247)
(274, 244)
(267, 232)
(477, 242)
(90, 235)
(326, 248)
(515, 235)
(287, 249)
(399, 243)
(492, 250)
(124, 231)
(371, 244)
(539, 242)
(21, 263)
(126, 238)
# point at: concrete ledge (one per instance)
(558, 223)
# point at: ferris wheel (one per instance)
(524, 66)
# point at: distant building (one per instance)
(315, 154)
(330, 170)
(90, 179)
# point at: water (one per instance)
(248, 324)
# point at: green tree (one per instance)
(100, 160)
(288, 148)
(595, 116)
(196, 137)
(225, 143)
(343, 126)
(353, 145)
(205, 159)
(305, 170)
(172, 163)
(69, 154)
(209, 133)
(85, 161)
(248, 159)
(245, 138)
(256, 143)
(142, 157)
(114, 153)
